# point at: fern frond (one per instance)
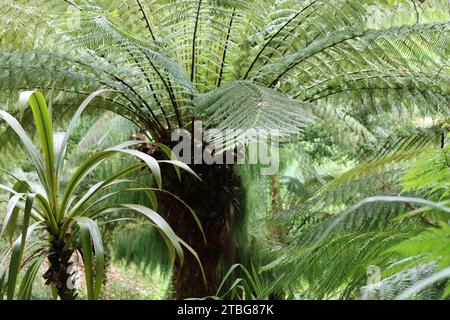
(349, 57)
(430, 172)
(340, 265)
(250, 112)
(390, 287)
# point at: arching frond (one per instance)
(249, 112)
(389, 288)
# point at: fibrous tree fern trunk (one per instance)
(215, 200)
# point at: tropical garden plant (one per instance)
(376, 231)
(50, 219)
(261, 64)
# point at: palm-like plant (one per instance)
(59, 218)
(261, 64)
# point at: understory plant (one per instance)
(50, 219)
(379, 230)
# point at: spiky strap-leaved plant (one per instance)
(64, 216)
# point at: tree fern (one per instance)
(310, 51)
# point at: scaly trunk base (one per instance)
(215, 200)
(58, 275)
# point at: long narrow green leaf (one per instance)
(86, 168)
(171, 155)
(18, 248)
(42, 119)
(90, 164)
(45, 133)
(181, 165)
(2, 284)
(162, 225)
(27, 142)
(150, 161)
(9, 222)
(194, 215)
(63, 147)
(102, 185)
(195, 254)
(227, 275)
(7, 189)
(12, 211)
(26, 285)
(90, 232)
